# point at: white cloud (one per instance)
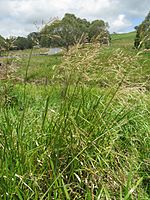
(120, 23)
(17, 17)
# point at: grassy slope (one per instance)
(123, 40)
(84, 136)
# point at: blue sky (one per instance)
(18, 17)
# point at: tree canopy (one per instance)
(143, 34)
(22, 43)
(98, 31)
(72, 30)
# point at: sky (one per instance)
(20, 17)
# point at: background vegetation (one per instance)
(143, 34)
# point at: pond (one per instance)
(53, 51)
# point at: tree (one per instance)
(45, 38)
(9, 43)
(66, 32)
(22, 43)
(72, 30)
(98, 31)
(2, 43)
(33, 39)
(143, 34)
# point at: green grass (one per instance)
(124, 40)
(82, 133)
(40, 67)
(86, 143)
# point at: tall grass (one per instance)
(75, 139)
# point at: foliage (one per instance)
(98, 30)
(2, 41)
(22, 43)
(143, 34)
(65, 32)
(18, 43)
(72, 30)
(34, 38)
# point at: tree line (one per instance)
(71, 30)
(66, 32)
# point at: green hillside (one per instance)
(123, 40)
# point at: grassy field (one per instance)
(123, 40)
(76, 125)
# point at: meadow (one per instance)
(76, 125)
